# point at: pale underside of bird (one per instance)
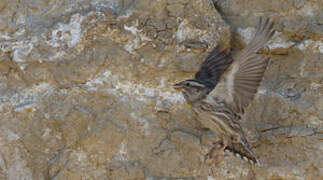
(223, 88)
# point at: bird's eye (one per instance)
(187, 84)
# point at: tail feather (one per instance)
(243, 152)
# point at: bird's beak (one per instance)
(178, 86)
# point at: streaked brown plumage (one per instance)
(224, 87)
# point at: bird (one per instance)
(223, 88)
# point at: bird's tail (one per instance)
(263, 34)
(243, 151)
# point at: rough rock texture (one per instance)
(86, 89)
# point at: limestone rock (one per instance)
(86, 89)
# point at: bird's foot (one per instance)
(216, 147)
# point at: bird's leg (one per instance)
(223, 147)
(215, 148)
(219, 143)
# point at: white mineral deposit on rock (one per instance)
(307, 10)
(186, 31)
(304, 44)
(316, 46)
(123, 151)
(46, 132)
(69, 34)
(138, 40)
(320, 46)
(139, 91)
(21, 50)
(280, 42)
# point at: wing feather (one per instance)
(241, 81)
(214, 66)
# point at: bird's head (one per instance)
(193, 90)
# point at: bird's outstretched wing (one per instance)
(213, 67)
(240, 82)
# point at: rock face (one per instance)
(86, 89)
